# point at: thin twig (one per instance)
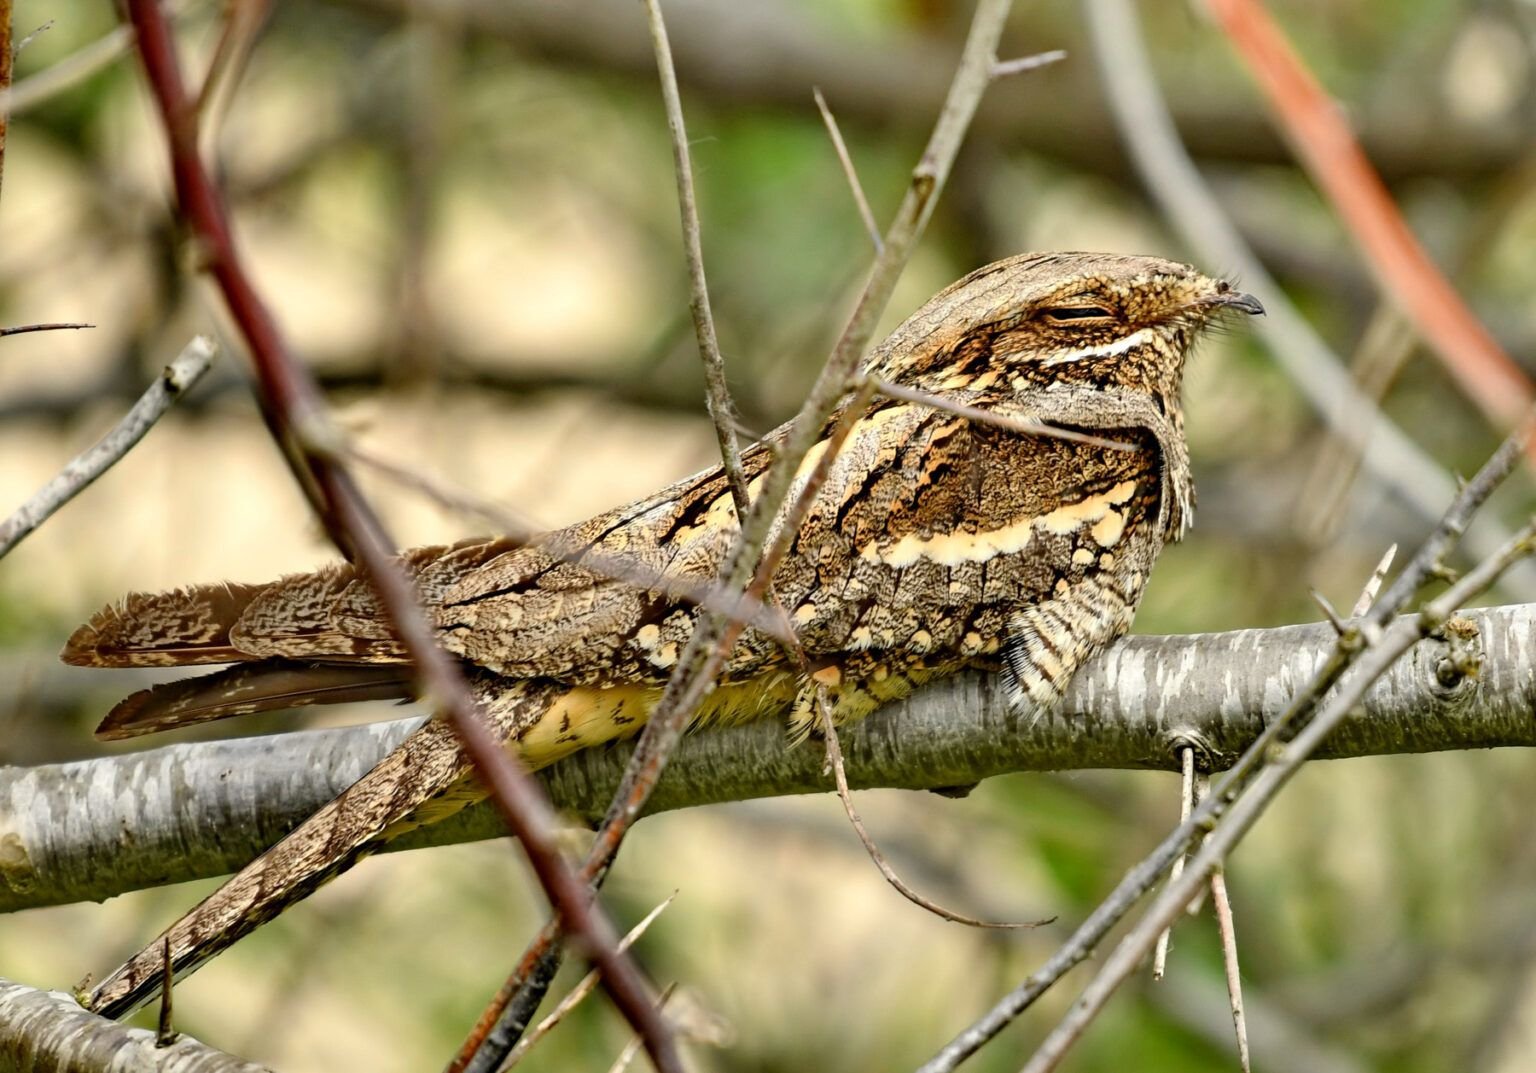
(23, 329)
(744, 564)
(20, 46)
(1373, 586)
(1141, 878)
(1004, 68)
(296, 415)
(1322, 138)
(243, 21)
(716, 394)
(1383, 350)
(7, 60)
(632, 1048)
(1224, 927)
(579, 992)
(500, 1026)
(1186, 804)
(849, 171)
(75, 68)
(840, 775)
(173, 382)
(991, 417)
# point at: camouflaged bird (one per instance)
(937, 542)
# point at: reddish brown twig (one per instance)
(295, 414)
(1322, 139)
(7, 55)
(578, 993)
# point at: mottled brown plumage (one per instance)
(936, 543)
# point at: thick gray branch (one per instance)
(95, 828)
(44, 1030)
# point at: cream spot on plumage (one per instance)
(953, 549)
(1109, 528)
(1081, 557)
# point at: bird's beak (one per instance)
(1246, 303)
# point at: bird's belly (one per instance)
(584, 716)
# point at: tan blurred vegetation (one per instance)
(465, 219)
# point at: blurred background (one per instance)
(464, 215)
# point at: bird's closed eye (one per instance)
(1077, 315)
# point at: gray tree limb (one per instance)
(46, 1030)
(95, 828)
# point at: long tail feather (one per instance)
(247, 688)
(425, 779)
(168, 629)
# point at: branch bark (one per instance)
(46, 1030)
(95, 828)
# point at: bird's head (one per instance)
(1028, 322)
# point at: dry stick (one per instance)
(716, 395)
(1140, 879)
(849, 172)
(1373, 585)
(1284, 762)
(712, 638)
(988, 417)
(173, 382)
(840, 775)
(1186, 803)
(295, 413)
(1187, 201)
(1381, 354)
(243, 22)
(23, 329)
(1321, 137)
(579, 992)
(1222, 905)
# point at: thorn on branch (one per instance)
(1340, 627)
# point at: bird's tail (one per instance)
(423, 780)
